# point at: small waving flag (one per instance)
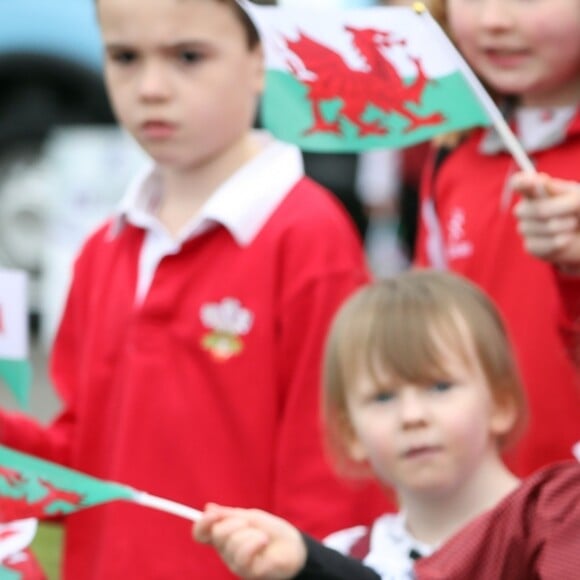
(16, 560)
(349, 80)
(31, 487)
(15, 369)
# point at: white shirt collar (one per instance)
(536, 128)
(391, 546)
(242, 204)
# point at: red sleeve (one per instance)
(313, 497)
(321, 272)
(428, 234)
(569, 317)
(533, 533)
(26, 434)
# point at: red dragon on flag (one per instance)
(328, 76)
(26, 498)
(375, 77)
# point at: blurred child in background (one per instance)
(528, 54)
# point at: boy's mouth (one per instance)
(421, 451)
(155, 129)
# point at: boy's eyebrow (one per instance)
(187, 43)
(172, 46)
(116, 45)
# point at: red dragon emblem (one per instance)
(15, 504)
(327, 76)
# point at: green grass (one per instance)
(47, 546)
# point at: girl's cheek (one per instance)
(463, 19)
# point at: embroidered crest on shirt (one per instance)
(457, 246)
(228, 321)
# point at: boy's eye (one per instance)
(190, 56)
(441, 386)
(123, 56)
(383, 397)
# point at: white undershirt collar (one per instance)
(537, 128)
(242, 204)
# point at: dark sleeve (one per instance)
(533, 533)
(327, 564)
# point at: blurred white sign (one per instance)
(13, 315)
(89, 169)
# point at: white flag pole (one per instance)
(166, 505)
(509, 139)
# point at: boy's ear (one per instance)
(504, 415)
(260, 64)
(352, 444)
(356, 451)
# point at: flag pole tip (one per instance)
(419, 7)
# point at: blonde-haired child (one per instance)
(421, 386)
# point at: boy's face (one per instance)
(181, 77)
(427, 440)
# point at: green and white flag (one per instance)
(34, 488)
(15, 368)
(349, 80)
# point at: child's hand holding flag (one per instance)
(549, 218)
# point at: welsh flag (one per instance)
(15, 369)
(16, 560)
(352, 80)
(33, 488)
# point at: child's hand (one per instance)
(254, 544)
(549, 218)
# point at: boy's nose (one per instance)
(412, 407)
(153, 82)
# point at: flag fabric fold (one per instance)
(367, 78)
